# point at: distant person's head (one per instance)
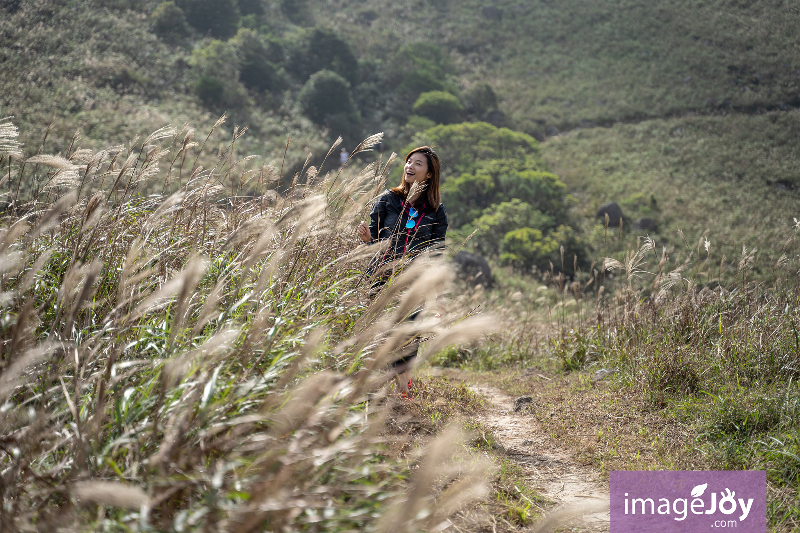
(423, 165)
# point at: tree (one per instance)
(527, 247)
(480, 99)
(326, 100)
(322, 49)
(220, 18)
(217, 68)
(256, 71)
(169, 22)
(499, 219)
(439, 106)
(296, 11)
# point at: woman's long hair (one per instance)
(433, 197)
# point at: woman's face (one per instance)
(416, 168)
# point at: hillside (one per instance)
(103, 70)
(189, 339)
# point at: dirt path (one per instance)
(581, 498)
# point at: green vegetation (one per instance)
(325, 99)
(494, 186)
(439, 106)
(684, 113)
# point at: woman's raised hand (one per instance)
(363, 232)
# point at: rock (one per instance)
(614, 212)
(496, 118)
(602, 373)
(491, 13)
(522, 402)
(551, 131)
(473, 268)
(645, 223)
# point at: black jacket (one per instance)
(388, 221)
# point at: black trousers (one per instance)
(408, 352)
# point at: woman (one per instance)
(412, 224)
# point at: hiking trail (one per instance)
(581, 498)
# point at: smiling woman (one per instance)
(412, 218)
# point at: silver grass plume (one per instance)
(368, 144)
(8, 138)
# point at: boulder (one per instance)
(614, 212)
(473, 268)
(491, 13)
(551, 131)
(645, 223)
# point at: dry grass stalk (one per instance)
(193, 344)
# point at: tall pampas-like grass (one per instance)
(178, 360)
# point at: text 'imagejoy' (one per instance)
(688, 502)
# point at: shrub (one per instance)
(525, 247)
(256, 71)
(169, 22)
(252, 7)
(210, 90)
(419, 81)
(502, 218)
(439, 106)
(467, 196)
(326, 100)
(480, 99)
(296, 11)
(322, 49)
(472, 146)
(217, 83)
(220, 18)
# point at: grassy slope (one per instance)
(553, 64)
(567, 64)
(102, 73)
(723, 174)
(557, 63)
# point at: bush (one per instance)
(419, 81)
(218, 17)
(526, 247)
(256, 71)
(326, 100)
(470, 147)
(217, 83)
(169, 22)
(252, 7)
(322, 49)
(210, 90)
(480, 99)
(296, 11)
(502, 218)
(439, 106)
(496, 184)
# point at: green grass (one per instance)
(733, 176)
